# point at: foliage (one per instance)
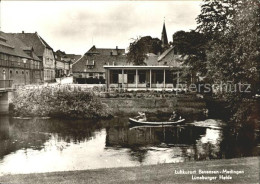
(140, 47)
(233, 50)
(191, 45)
(52, 101)
(217, 16)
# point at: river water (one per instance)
(36, 145)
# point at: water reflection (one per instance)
(28, 146)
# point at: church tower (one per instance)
(164, 38)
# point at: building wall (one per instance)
(67, 68)
(88, 74)
(85, 77)
(48, 65)
(18, 75)
(171, 59)
(62, 68)
(20, 70)
(60, 65)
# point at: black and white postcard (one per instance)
(129, 91)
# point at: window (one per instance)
(114, 76)
(168, 76)
(5, 57)
(158, 76)
(16, 72)
(131, 76)
(1, 56)
(22, 72)
(27, 73)
(11, 73)
(142, 76)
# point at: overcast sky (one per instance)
(75, 26)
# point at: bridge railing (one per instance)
(6, 84)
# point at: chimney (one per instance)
(117, 53)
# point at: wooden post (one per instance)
(123, 76)
(178, 81)
(108, 78)
(164, 78)
(150, 78)
(136, 78)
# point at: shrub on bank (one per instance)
(54, 102)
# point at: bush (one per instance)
(53, 102)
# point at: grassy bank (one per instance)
(163, 173)
(58, 102)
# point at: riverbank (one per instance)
(162, 173)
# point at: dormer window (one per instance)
(90, 64)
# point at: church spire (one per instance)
(164, 38)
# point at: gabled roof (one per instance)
(74, 57)
(62, 56)
(152, 60)
(99, 61)
(165, 53)
(13, 46)
(33, 40)
(105, 51)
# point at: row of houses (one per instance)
(26, 58)
(110, 66)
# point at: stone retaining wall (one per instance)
(167, 105)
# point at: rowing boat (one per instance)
(136, 122)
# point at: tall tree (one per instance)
(191, 45)
(233, 50)
(140, 47)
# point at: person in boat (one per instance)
(174, 117)
(141, 117)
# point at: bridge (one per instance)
(6, 94)
(5, 85)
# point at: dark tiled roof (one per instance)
(105, 51)
(152, 60)
(165, 53)
(100, 61)
(34, 40)
(61, 55)
(74, 57)
(12, 46)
